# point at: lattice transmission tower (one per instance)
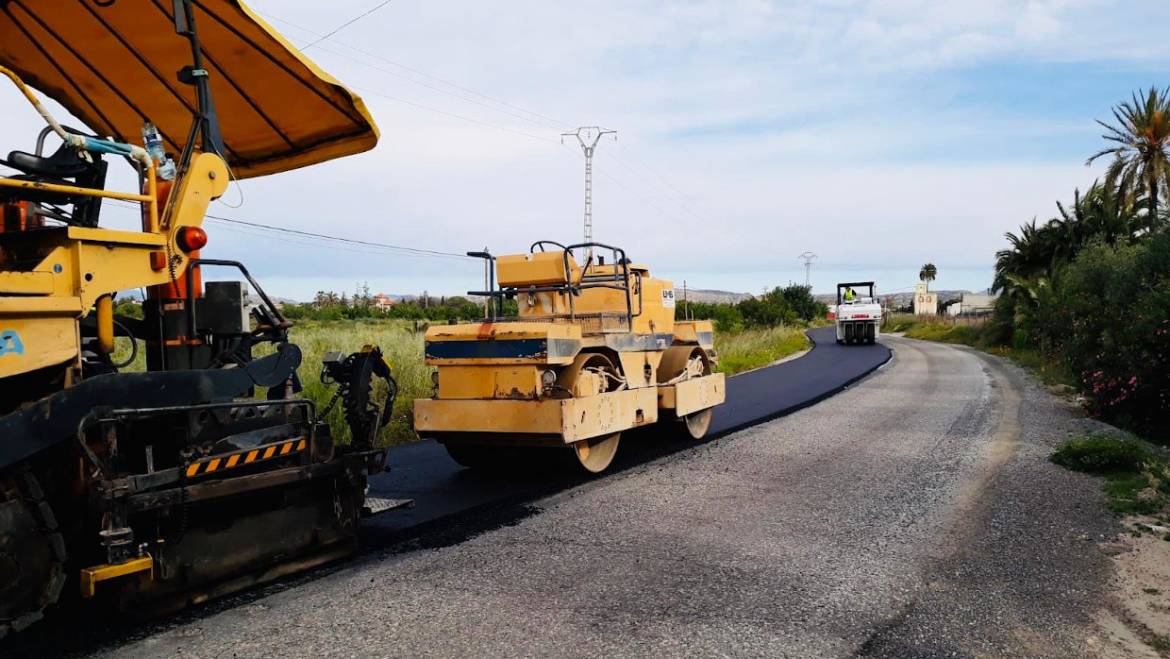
(588, 137)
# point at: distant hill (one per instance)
(710, 296)
(898, 299)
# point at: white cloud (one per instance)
(749, 131)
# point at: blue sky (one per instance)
(878, 134)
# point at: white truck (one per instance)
(858, 313)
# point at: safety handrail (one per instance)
(619, 280)
(597, 280)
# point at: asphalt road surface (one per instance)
(914, 514)
(422, 471)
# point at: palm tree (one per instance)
(1021, 259)
(927, 274)
(1101, 213)
(1141, 150)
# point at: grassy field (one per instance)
(403, 347)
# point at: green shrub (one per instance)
(129, 309)
(780, 306)
(1104, 455)
(1131, 470)
(1020, 339)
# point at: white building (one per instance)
(973, 304)
(925, 302)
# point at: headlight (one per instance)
(548, 379)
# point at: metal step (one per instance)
(376, 505)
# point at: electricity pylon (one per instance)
(808, 259)
(588, 137)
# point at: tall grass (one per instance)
(403, 348)
(748, 349)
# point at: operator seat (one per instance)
(64, 167)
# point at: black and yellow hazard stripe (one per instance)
(228, 461)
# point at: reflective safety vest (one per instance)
(849, 295)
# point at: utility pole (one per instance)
(808, 259)
(588, 137)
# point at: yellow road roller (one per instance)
(592, 350)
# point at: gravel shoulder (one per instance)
(1027, 575)
(914, 514)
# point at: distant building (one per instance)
(973, 304)
(383, 302)
(925, 302)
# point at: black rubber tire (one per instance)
(45, 550)
(870, 334)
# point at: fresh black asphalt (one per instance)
(442, 489)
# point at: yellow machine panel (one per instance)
(31, 343)
(537, 269)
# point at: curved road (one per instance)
(915, 516)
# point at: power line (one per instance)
(646, 199)
(346, 24)
(453, 115)
(681, 201)
(411, 251)
(352, 241)
(435, 88)
(552, 122)
(316, 243)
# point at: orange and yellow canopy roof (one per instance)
(113, 64)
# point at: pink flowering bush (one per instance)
(1107, 316)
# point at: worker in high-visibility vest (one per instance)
(849, 294)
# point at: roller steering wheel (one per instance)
(542, 243)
